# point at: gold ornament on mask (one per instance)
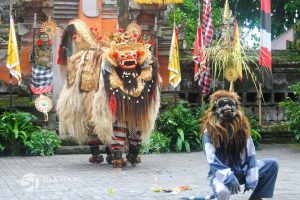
(116, 82)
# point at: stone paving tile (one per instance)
(71, 177)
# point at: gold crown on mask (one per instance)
(129, 41)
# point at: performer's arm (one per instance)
(252, 170)
(222, 172)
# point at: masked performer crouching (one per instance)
(230, 151)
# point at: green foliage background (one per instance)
(247, 12)
(292, 110)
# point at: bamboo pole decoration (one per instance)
(10, 75)
(231, 88)
(174, 14)
(259, 105)
(10, 7)
(175, 89)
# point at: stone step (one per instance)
(276, 133)
(79, 149)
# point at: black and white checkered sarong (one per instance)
(41, 76)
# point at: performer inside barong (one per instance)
(230, 151)
(111, 93)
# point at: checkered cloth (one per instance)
(207, 23)
(205, 79)
(41, 81)
(207, 28)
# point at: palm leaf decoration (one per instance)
(228, 57)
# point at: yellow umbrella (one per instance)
(157, 1)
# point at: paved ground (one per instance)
(71, 177)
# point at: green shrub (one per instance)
(15, 128)
(181, 124)
(18, 135)
(159, 143)
(42, 143)
(256, 137)
(292, 110)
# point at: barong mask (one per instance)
(129, 61)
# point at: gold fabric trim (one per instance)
(72, 66)
(91, 71)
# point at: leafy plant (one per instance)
(15, 129)
(256, 137)
(43, 143)
(181, 124)
(187, 13)
(292, 110)
(158, 143)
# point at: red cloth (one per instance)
(198, 54)
(265, 58)
(42, 90)
(113, 104)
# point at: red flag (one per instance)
(198, 55)
(265, 59)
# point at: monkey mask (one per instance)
(225, 108)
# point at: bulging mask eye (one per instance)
(133, 54)
(122, 55)
(225, 101)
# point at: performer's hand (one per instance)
(235, 186)
(246, 189)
